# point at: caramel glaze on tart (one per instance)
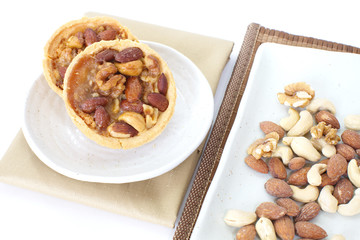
(121, 94)
(71, 39)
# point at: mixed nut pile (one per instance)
(312, 169)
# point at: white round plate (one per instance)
(59, 144)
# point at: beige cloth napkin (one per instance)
(155, 200)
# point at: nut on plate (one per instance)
(296, 95)
(239, 218)
(309, 230)
(352, 122)
(284, 228)
(270, 210)
(247, 232)
(326, 130)
(265, 146)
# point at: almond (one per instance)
(284, 228)
(162, 84)
(133, 89)
(270, 210)
(351, 138)
(336, 166)
(299, 178)
(268, 127)
(278, 188)
(326, 180)
(309, 230)
(343, 191)
(257, 164)
(129, 54)
(346, 151)
(158, 100)
(90, 104)
(308, 211)
(296, 163)
(101, 117)
(247, 232)
(124, 128)
(292, 209)
(328, 118)
(277, 168)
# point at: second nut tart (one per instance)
(121, 94)
(71, 39)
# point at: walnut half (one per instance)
(264, 147)
(296, 95)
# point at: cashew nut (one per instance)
(326, 200)
(288, 122)
(302, 147)
(302, 126)
(352, 122)
(351, 208)
(283, 152)
(337, 237)
(354, 172)
(319, 104)
(238, 218)
(136, 120)
(326, 149)
(265, 229)
(314, 174)
(305, 195)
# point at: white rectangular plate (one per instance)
(335, 76)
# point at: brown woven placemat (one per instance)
(254, 37)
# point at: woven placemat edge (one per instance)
(217, 140)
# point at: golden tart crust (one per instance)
(71, 39)
(108, 122)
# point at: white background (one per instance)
(27, 25)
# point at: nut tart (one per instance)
(121, 94)
(71, 39)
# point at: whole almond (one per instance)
(277, 168)
(336, 166)
(284, 228)
(90, 104)
(299, 178)
(351, 138)
(328, 118)
(308, 211)
(292, 209)
(129, 54)
(326, 180)
(247, 232)
(101, 117)
(268, 127)
(162, 84)
(158, 100)
(296, 163)
(133, 89)
(135, 106)
(346, 151)
(309, 230)
(90, 36)
(343, 191)
(270, 210)
(108, 34)
(123, 127)
(278, 188)
(258, 165)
